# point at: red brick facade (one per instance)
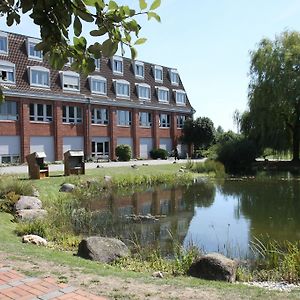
(23, 94)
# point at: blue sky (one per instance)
(209, 43)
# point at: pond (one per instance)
(222, 216)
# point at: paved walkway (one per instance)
(14, 285)
(60, 167)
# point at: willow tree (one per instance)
(274, 93)
(114, 26)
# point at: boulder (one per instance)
(67, 187)
(30, 214)
(214, 266)
(28, 202)
(102, 249)
(34, 239)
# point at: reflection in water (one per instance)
(223, 216)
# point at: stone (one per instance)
(105, 250)
(30, 214)
(214, 266)
(34, 239)
(28, 202)
(67, 187)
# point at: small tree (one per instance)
(123, 152)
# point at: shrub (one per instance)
(237, 154)
(159, 153)
(208, 166)
(123, 152)
(37, 227)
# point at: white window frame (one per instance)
(97, 64)
(167, 124)
(128, 119)
(143, 85)
(92, 78)
(156, 67)
(120, 60)
(174, 71)
(162, 88)
(178, 120)
(6, 115)
(139, 64)
(5, 36)
(5, 67)
(103, 112)
(44, 117)
(148, 122)
(177, 93)
(69, 74)
(32, 41)
(38, 69)
(77, 119)
(121, 81)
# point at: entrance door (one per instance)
(100, 149)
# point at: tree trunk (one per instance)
(296, 142)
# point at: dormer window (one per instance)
(158, 73)
(163, 94)
(32, 52)
(144, 91)
(97, 62)
(139, 70)
(7, 72)
(117, 65)
(70, 81)
(3, 43)
(39, 76)
(122, 88)
(98, 84)
(180, 97)
(174, 76)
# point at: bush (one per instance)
(37, 227)
(208, 166)
(159, 153)
(237, 154)
(123, 152)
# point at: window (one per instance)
(9, 110)
(32, 52)
(70, 81)
(145, 119)
(124, 117)
(122, 88)
(158, 73)
(40, 112)
(144, 91)
(98, 84)
(99, 116)
(97, 62)
(117, 65)
(72, 114)
(139, 70)
(3, 43)
(164, 120)
(100, 148)
(174, 77)
(180, 97)
(39, 76)
(7, 72)
(163, 94)
(180, 121)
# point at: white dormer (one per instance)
(180, 97)
(139, 69)
(174, 76)
(39, 76)
(70, 81)
(3, 43)
(31, 51)
(117, 65)
(7, 72)
(158, 73)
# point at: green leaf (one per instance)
(109, 48)
(112, 5)
(140, 41)
(40, 46)
(98, 32)
(143, 4)
(95, 50)
(154, 15)
(155, 4)
(77, 26)
(84, 15)
(133, 53)
(10, 19)
(26, 5)
(94, 3)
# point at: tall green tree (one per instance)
(273, 119)
(114, 26)
(199, 132)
